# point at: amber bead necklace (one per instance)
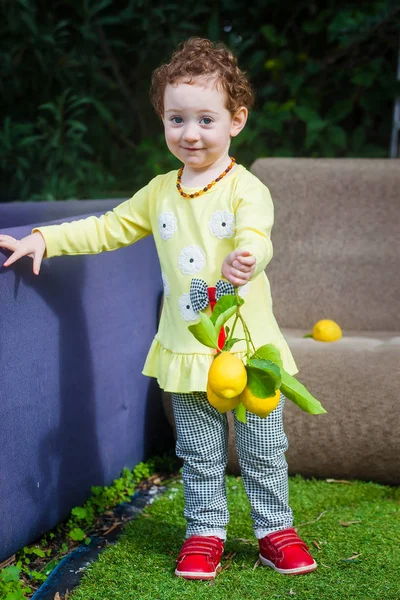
(207, 187)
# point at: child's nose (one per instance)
(191, 133)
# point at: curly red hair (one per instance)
(198, 57)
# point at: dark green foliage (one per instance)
(77, 121)
(11, 587)
(75, 530)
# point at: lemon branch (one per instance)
(265, 371)
(230, 336)
(247, 335)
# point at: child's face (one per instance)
(198, 126)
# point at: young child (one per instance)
(210, 220)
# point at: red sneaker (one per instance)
(200, 557)
(285, 552)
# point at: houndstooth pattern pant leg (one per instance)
(202, 443)
(261, 445)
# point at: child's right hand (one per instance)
(32, 245)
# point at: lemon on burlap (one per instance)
(261, 407)
(222, 404)
(326, 330)
(227, 376)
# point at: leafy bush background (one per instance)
(75, 75)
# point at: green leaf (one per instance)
(316, 126)
(213, 26)
(96, 8)
(358, 138)
(229, 343)
(224, 317)
(103, 111)
(287, 106)
(314, 26)
(263, 377)
(314, 123)
(224, 304)
(339, 111)
(29, 22)
(272, 36)
(79, 512)
(240, 413)
(274, 63)
(337, 136)
(10, 574)
(29, 141)
(38, 552)
(311, 138)
(204, 332)
(295, 82)
(313, 67)
(77, 534)
(269, 352)
(364, 78)
(297, 393)
(306, 114)
(76, 125)
(37, 576)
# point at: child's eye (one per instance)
(206, 120)
(177, 120)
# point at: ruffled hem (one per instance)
(182, 373)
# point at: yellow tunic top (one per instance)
(192, 237)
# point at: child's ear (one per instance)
(239, 120)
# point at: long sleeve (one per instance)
(254, 220)
(126, 224)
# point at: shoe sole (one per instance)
(298, 571)
(196, 575)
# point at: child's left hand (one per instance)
(238, 267)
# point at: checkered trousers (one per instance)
(202, 443)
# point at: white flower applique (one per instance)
(166, 285)
(191, 260)
(185, 306)
(222, 224)
(167, 225)
(244, 289)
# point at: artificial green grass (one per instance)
(141, 565)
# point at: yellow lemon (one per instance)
(259, 406)
(222, 404)
(227, 376)
(326, 331)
